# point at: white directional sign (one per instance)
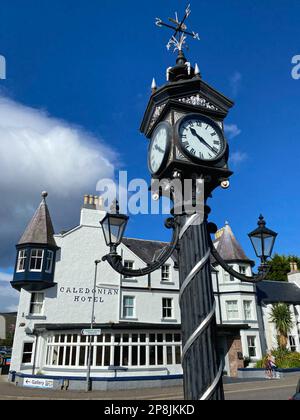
(91, 333)
(38, 383)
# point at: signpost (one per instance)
(38, 383)
(91, 333)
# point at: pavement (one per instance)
(234, 390)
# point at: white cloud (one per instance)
(232, 130)
(235, 83)
(8, 296)
(4, 277)
(238, 157)
(37, 153)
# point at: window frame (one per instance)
(293, 346)
(228, 312)
(25, 353)
(36, 258)
(49, 271)
(128, 264)
(22, 259)
(36, 303)
(250, 337)
(243, 270)
(251, 318)
(167, 308)
(167, 279)
(126, 307)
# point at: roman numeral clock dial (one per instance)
(201, 138)
(159, 149)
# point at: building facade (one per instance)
(139, 317)
(7, 325)
(273, 292)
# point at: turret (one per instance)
(36, 253)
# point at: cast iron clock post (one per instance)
(184, 122)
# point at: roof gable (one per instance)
(40, 229)
(228, 247)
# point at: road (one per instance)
(246, 390)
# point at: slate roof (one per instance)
(147, 251)
(278, 292)
(228, 247)
(40, 230)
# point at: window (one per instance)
(165, 273)
(167, 308)
(21, 261)
(121, 349)
(293, 345)
(49, 261)
(128, 306)
(37, 303)
(36, 260)
(248, 310)
(252, 346)
(27, 353)
(242, 270)
(232, 309)
(128, 265)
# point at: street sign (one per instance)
(91, 333)
(38, 383)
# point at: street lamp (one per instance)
(114, 226)
(263, 241)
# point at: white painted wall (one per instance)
(2, 328)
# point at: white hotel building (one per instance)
(140, 343)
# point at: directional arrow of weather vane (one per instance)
(178, 40)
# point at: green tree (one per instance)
(280, 267)
(282, 318)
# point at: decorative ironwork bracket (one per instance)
(264, 269)
(115, 260)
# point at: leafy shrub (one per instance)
(284, 360)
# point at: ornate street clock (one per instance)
(184, 122)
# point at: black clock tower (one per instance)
(184, 122)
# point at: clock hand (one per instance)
(158, 148)
(194, 132)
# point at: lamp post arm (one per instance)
(253, 279)
(116, 263)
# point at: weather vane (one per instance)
(178, 40)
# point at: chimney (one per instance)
(86, 200)
(294, 275)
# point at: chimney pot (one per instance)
(86, 199)
(91, 200)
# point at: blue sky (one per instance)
(89, 65)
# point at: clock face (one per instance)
(201, 138)
(159, 148)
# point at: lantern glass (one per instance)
(263, 240)
(113, 226)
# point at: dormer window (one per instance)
(21, 261)
(165, 273)
(36, 260)
(49, 261)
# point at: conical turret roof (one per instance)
(40, 230)
(228, 247)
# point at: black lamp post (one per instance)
(263, 241)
